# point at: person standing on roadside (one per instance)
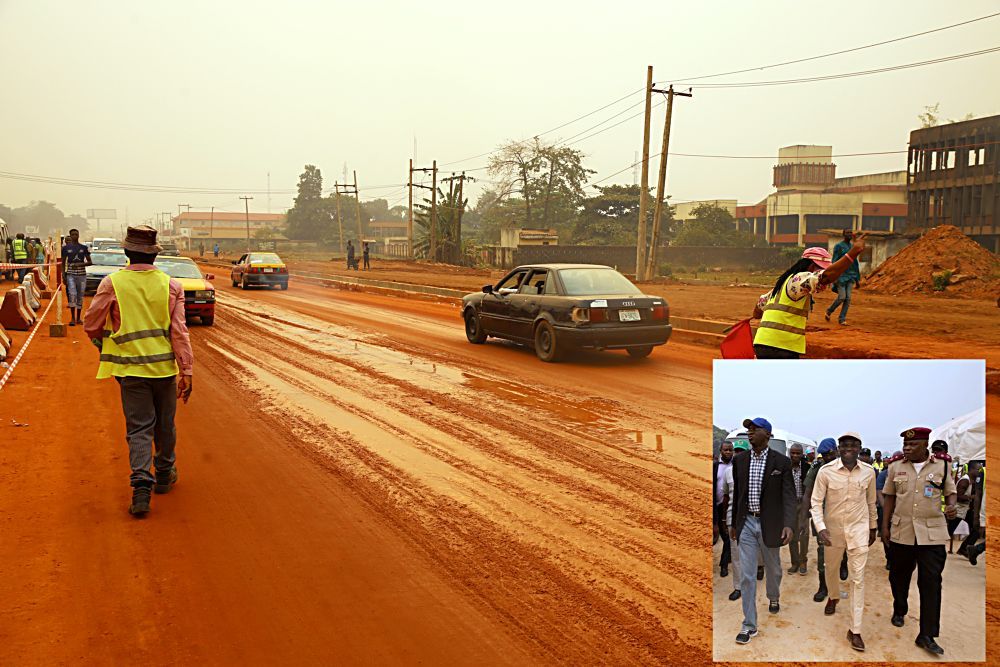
(76, 259)
(798, 547)
(20, 252)
(201, 249)
(350, 255)
(215, 249)
(843, 509)
(719, 469)
(916, 531)
(847, 281)
(763, 516)
(137, 320)
(365, 255)
(783, 311)
(877, 462)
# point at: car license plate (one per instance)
(268, 270)
(628, 315)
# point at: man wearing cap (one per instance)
(843, 510)
(763, 516)
(827, 451)
(916, 530)
(137, 320)
(783, 311)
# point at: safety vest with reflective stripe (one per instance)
(20, 249)
(784, 322)
(141, 345)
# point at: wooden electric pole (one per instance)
(340, 222)
(411, 184)
(409, 222)
(651, 268)
(640, 242)
(246, 204)
(357, 204)
(434, 222)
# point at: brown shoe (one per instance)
(857, 643)
(831, 606)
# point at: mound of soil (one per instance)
(942, 261)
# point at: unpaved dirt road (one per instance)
(358, 484)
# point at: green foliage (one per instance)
(666, 270)
(45, 215)
(941, 279)
(309, 218)
(718, 437)
(712, 225)
(792, 254)
(448, 233)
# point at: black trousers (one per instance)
(929, 562)
(768, 352)
(727, 553)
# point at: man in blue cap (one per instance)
(827, 451)
(764, 508)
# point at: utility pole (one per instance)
(409, 221)
(178, 222)
(246, 205)
(166, 216)
(651, 268)
(434, 222)
(340, 223)
(640, 242)
(455, 256)
(411, 184)
(211, 224)
(357, 204)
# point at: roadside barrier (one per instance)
(31, 294)
(31, 336)
(14, 312)
(5, 344)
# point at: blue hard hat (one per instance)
(827, 445)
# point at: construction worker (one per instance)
(137, 320)
(916, 530)
(784, 310)
(20, 247)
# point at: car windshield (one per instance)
(265, 258)
(178, 269)
(587, 282)
(109, 259)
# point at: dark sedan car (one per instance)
(557, 307)
(105, 262)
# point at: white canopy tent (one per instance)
(965, 435)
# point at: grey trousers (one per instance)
(149, 405)
(751, 543)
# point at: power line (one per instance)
(845, 75)
(842, 51)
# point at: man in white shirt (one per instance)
(843, 510)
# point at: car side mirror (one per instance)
(209, 276)
(488, 289)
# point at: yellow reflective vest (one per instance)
(141, 345)
(783, 324)
(20, 249)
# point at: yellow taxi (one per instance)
(259, 268)
(199, 293)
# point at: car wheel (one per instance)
(546, 345)
(208, 320)
(235, 284)
(640, 352)
(243, 283)
(473, 331)
(284, 285)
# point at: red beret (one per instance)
(916, 433)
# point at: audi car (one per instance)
(259, 268)
(560, 307)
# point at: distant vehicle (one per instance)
(4, 237)
(781, 440)
(105, 262)
(104, 243)
(199, 293)
(259, 268)
(558, 307)
(169, 250)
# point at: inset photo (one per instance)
(849, 510)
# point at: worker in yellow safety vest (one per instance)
(137, 321)
(20, 247)
(783, 311)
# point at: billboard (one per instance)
(102, 214)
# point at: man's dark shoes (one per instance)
(793, 569)
(724, 571)
(735, 595)
(140, 501)
(973, 554)
(929, 645)
(856, 642)
(744, 636)
(831, 606)
(898, 620)
(760, 574)
(774, 607)
(165, 480)
(843, 571)
(820, 594)
(802, 569)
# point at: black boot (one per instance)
(141, 494)
(165, 480)
(822, 592)
(843, 568)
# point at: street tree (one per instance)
(712, 225)
(309, 218)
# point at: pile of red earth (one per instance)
(942, 261)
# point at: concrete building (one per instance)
(953, 178)
(684, 211)
(219, 226)
(385, 229)
(809, 197)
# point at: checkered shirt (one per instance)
(797, 478)
(757, 464)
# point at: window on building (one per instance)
(786, 224)
(875, 223)
(899, 224)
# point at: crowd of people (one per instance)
(915, 500)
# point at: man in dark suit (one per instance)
(764, 511)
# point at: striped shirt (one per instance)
(757, 464)
(797, 478)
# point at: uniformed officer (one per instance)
(915, 530)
